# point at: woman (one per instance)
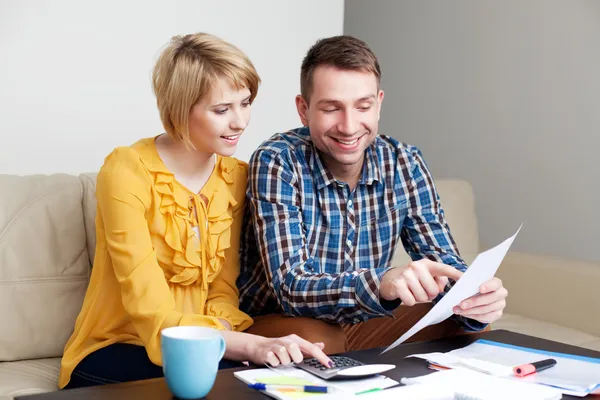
(168, 226)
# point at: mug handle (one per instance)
(222, 347)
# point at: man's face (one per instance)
(342, 114)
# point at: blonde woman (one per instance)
(168, 227)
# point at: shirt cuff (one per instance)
(390, 305)
(238, 320)
(469, 325)
(367, 293)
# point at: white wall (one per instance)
(504, 94)
(75, 75)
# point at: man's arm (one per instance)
(426, 233)
(295, 277)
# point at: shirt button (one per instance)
(349, 203)
(349, 242)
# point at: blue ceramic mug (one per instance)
(190, 359)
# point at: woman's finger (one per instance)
(272, 359)
(282, 354)
(294, 351)
(311, 350)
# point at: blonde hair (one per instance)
(186, 71)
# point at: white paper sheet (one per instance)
(482, 269)
(414, 391)
(573, 375)
(292, 375)
(468, 384)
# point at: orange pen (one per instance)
(532, 368)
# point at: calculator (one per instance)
(343, 368)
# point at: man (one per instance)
(329, 202)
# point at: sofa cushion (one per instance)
(559, 291)
(592, 344)
(458, 203)
(44, 264)
(19, 378)
(547, 330)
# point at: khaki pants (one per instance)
(376, 332)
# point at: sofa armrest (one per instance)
(560, 291)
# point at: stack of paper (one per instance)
(573, 375)
(296, 376)
(467, 384)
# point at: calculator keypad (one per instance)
(338, 362)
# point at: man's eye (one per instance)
(246, 104)
(330, 110)
(364, 108)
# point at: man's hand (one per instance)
(418, 282)
(487, 305)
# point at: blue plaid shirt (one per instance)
(313, 247)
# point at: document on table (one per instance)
(482, 269)
(467, 384)
(573, 375)
(287, 375)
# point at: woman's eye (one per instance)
(221, 110)
(246, 104)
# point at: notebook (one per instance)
(471, 385)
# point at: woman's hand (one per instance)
(226, 324)
(285, 350)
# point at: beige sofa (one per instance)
(47, 242)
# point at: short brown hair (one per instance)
(186, 71)
(343, 52)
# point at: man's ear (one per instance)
(380, 96)
(302, 107)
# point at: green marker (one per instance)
(369, 391)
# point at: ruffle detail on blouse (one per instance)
(214, 220)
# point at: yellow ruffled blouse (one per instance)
(164, 256)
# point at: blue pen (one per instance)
(295, 388)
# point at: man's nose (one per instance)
(349, 123)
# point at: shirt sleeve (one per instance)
(425, 233)
(223, 294)
(294, 276)
(123, 194)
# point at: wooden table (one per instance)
(229, 387)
